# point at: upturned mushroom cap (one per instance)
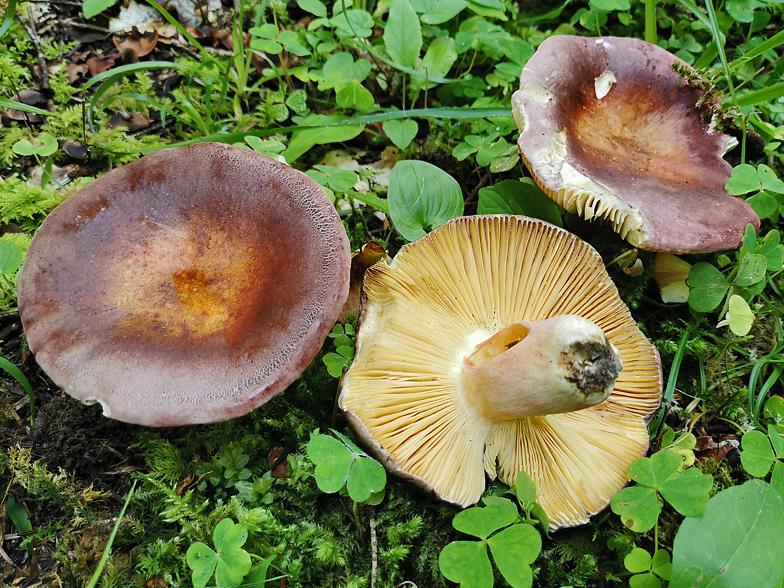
(481, 290)
(610, 131)
(190, 286)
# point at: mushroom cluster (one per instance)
(495, 345)
(609, 130)
(189, 286)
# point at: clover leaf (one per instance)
(647, 569)
(341, 462)
(229, 561)
(514, 547)
(658, 478)
(759, 451)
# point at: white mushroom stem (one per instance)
(534, 368)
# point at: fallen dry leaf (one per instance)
(370, 254)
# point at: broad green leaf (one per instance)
(482, 521)
(314, 7)
(258, 574)
(438, 11)
(752, 270)
(202, 561)
(339, 180)
(518, 197)
(637, 561)
(353, 22)
(355, 95)
(707, 287)
(655, 470)
(638, 507)
(740, 316)
(92, 8)
(341, 69)
(401, 132)
(367, 477)
(229, 536)
(742, 10)
(764, 204)
(11, 258)
(333, 462)
(348, 443)
(303, 140)
(743, 179)
(647, 580)
(661, 565)
(496, 500)
(772, 250)
(769, 180)
(466, 562)
(610, 5)
(422, 197)
(756, 453)
(232, 567)
(688, 492)
(403, 34)
(513, 550)
(43, 146)
(737, 542)
(438, 60)
(776, 441)
(20, 518)
(777, 478)
(525, 488)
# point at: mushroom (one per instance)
(610, 130)
(671, 274)
(190, 286)
(493, 346)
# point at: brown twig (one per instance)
(29, 28)
(84, 25)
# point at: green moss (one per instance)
(27, 205)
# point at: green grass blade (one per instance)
(108, 78)
(10, 13)
(445, 113)
(650, 21)
(772, 43)
(8, 103)
(768, 94)
(672, 380)
(17, 374)
(105, 556)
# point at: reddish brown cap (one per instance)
(610, 131)
(190, 286)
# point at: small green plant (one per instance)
(736, 541)
(757, 260)
(513, 542)
(343, 339)
(226, 470)
(40, 148)
(767, 188)
(11, 258)
(660, 477)
(422, 197)
(341, 463)
(230, 562)
(20, 518)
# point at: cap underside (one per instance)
(637, 153)
(446, 293)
